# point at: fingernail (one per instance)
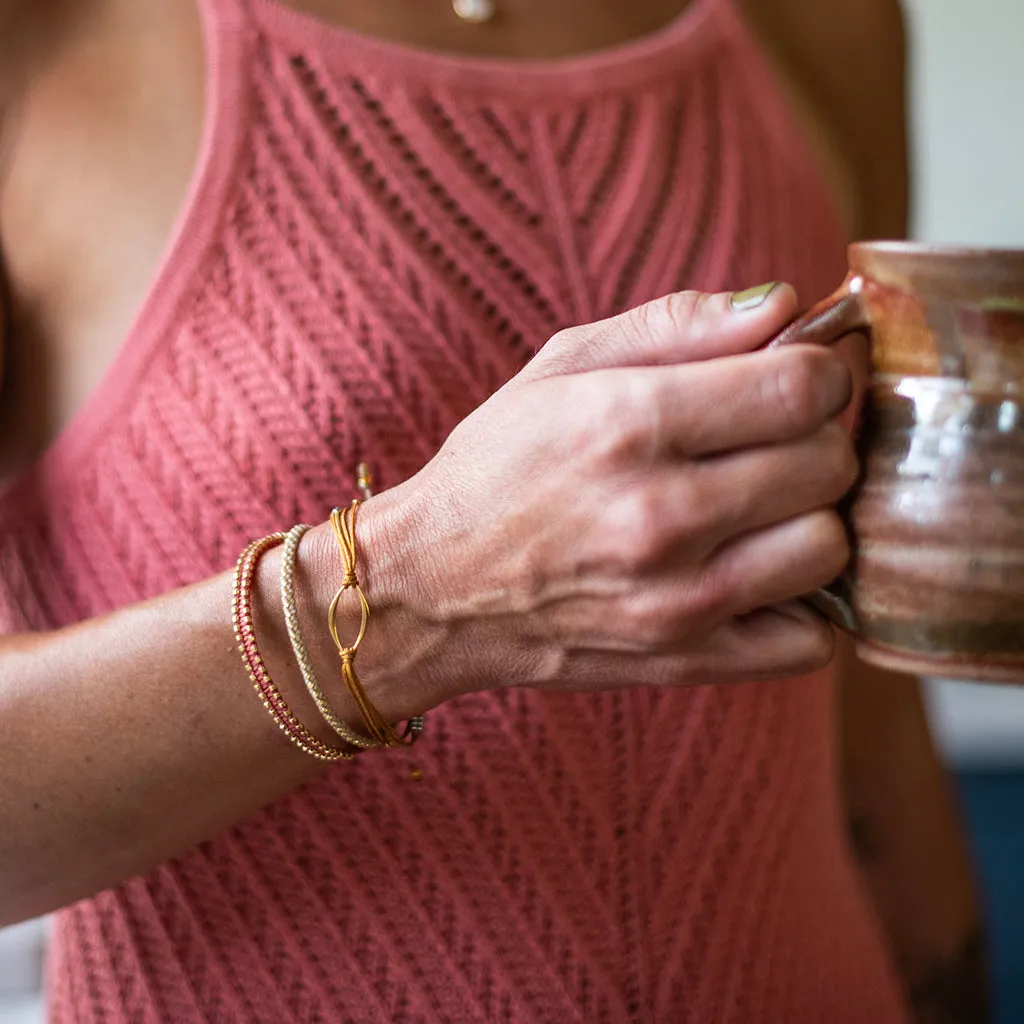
(744, 301)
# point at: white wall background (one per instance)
(968, 107)
(967, 102)
(968, 114)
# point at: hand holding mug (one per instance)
(644, 503)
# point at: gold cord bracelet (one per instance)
(381, 731)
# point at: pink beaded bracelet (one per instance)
(241, 613)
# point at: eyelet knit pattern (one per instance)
(375, 240)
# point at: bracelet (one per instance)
(291, 619)
(241, 614)
(344, 523)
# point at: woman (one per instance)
(385, 211)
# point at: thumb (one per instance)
(683, 327)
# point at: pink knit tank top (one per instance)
(374, 240)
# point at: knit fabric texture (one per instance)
(375, 239)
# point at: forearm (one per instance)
(561, 539)
(945, 982)
(129, 738)
(910, 844)
(942, 959)
(956, 989)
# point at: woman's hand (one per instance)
(642, 504)
(639, 505)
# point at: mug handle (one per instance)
(841, 314)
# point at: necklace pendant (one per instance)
(476, 12)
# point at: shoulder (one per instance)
(836, 25)
(849, 60)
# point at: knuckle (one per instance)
(682, 308)
(562, 338)
(621, 421)
(828, 543)
(637, 522)
(813, 649)
(557, 356)
(669, 619)
(667, 317)
(653, 622)
(795, 385)
(842, 467)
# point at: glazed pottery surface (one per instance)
(936, 585)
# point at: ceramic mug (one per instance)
(936, 583)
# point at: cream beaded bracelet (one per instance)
(291, 618)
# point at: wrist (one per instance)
(403, 660)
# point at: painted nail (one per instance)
(744, 301)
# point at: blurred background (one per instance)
(967, 113)
(968, 117)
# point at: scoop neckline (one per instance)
(226, 39)
(605, 69)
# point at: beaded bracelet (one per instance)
(241, 613)
(344, 523)
(291, 619)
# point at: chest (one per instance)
(105, 144)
